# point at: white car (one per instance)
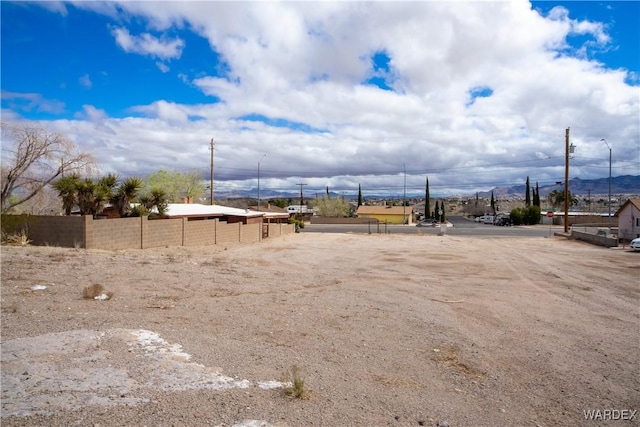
(635, 244)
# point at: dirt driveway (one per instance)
(387, 330)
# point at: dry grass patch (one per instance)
(16, 239)
(295, 387)
(451, 358)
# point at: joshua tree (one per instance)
(125, 194)
(67, 188)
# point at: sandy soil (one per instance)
(388, 330)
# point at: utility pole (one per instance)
(404, 196)
(211, 183)
(301, 200)
(263, 156)
(566, 182)
(609, 147)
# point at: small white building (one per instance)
(629, 220)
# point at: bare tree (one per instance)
(32, 158)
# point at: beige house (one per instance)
(387, 214)
(629, 220)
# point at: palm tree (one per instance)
(156, 198)
(127, 191)
(67, 188)
(93, 195)
(86, 198)
(90, 196)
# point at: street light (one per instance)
(609, 147)
(261, 158)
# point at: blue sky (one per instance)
(473, 95)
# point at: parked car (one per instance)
(426, 224)
(635, 244)
(504, 221)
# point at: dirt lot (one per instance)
(388, 330)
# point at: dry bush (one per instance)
(295, 388)
(16, 239)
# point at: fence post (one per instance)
(184, 231)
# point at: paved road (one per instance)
(461, 227)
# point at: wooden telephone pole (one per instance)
(211, 183)
(301, 199)
(566, 182)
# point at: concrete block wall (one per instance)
(609, 242)
(277, 230)
(161, 232)
(200, 233)
(117, 233)
(288, 228)
(251, 233)
(227, 233)
(57, 231)
(135, 233)
(591, 219)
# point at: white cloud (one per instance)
(147, 44)
(20, 101)
(92, 114)
(162, 66)
(306, 65)
(165, 111)
(85, 81)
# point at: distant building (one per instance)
(629, 220)
(297, 209)
(388, 214)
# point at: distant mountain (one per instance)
(626, 184)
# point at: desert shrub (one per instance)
(526, 216)
(517, 216)
(19, 238)
(294, 381)
(532, 215)
(14, 224)
(299, 223)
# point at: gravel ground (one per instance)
(387, 330)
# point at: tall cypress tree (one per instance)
(442, 217)
(435, 212)
(527, 195)
(536, 198)
(359, 195)
(493, 203)
(427, 202)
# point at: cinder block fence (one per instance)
(135, 233)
